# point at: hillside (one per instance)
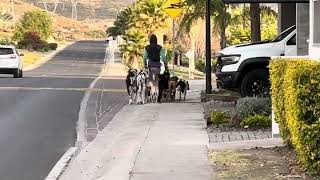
(88, 9)
(64, 26)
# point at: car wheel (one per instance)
(20, 73)
(17, 73)
(256, 84)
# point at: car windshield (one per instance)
(6, 51)
(284, 34)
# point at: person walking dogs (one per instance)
(155, 61)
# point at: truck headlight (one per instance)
(230, 59)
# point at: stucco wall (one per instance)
(302, 29)
(314, 49)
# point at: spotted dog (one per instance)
(142, 79)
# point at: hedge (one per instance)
(277, 71)
(296, 103)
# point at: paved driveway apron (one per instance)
(38, 113)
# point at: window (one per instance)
(316, 22)
(292, 41)
(6, 51)
(284, 34)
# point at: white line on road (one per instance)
(81, 131)
(63, 89)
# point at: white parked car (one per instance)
(10, 61)
(244, 67)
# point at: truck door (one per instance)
(291, 47)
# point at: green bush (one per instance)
(52, 46)
(218, 118)
(277, 72)
(300, 103)
(249, 106)
(6, 41)
(34, 21)
(201, 65)
(257, 121)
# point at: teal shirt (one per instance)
(163, 57)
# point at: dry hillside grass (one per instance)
(63, 26)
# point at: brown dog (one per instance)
(172, 87)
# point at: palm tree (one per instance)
(220, 14)
(123, 21)
(133, 49)
(152, 18)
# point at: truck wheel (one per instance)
(20, 73)
(256, 83)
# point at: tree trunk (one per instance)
(255, 22)
(244, 16)
(223, 40)
(134, 62)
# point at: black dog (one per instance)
(172, 87)
(183, 87)
(163, 85)
(131, 82)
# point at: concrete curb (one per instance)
(81, 123)
(47, 58)
(81, 142)
(56, 172)
(239, 145)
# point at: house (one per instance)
(314, 40)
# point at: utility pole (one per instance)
(12, 9)
(208, 48)
(173, 41)
(74, 9)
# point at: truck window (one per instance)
(292, 41)
(284, 34)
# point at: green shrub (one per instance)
(277, 72)
(52, 46)
(249, 106)
(301, 102)
(6, 41)
(201, 65)
(257, 121)
(34, 21)
(219, 118)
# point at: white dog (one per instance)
(153, 91)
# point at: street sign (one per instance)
(174, 7)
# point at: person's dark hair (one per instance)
(153, 39)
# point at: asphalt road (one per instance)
(37, 126)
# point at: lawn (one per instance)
(31, 58)
(183, 72)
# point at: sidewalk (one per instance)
(149, 142)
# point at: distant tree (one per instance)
(220, 13)
(34, 21)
